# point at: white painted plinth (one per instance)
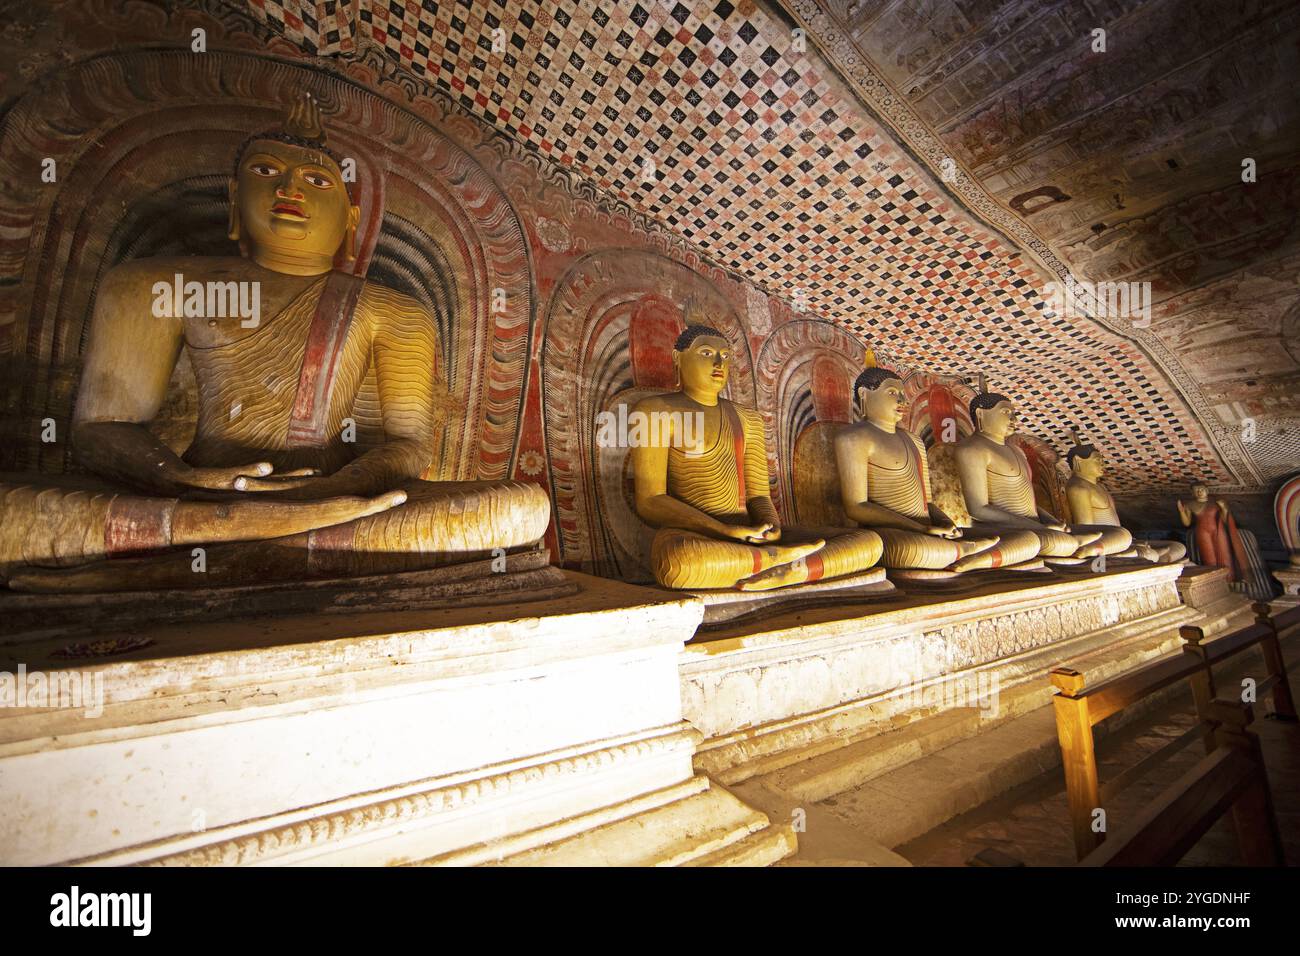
(457, 735)
(815, 679)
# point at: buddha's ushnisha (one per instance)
(271, 460)
(718, 527)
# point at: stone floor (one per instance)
(1030, 824)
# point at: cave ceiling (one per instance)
(1125, 163)
(920, 171)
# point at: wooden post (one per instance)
(1283, 702)
(1202, 682)
(1078, 757)
(1253, 818)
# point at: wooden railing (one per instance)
(1079, 709)
(1231, 778)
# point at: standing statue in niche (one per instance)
(272, 480)
(1218, 542)
(710, 500)
(885, 486)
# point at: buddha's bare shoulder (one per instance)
(859, 437)
(138, 273)
(973, 445)
(664, 402)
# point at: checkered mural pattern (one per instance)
(708, 116)
(323, 27)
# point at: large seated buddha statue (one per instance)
(885, 486)
(273, 479)
(999, 491)
(1093, 507)
(709, 496)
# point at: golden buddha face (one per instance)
(705, 365)
(998, 420)
(291, 199)
(884, 404)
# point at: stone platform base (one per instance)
(964, 581)
(1208, 591)
(521, 576)
(811, 682)
(949, 779)
(1289, 578)
(877, 725)
(546, 731)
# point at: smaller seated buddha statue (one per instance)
(1093, 507)
(885, 486)
(710, 500)
(999, 491)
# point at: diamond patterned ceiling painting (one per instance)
(706, 116)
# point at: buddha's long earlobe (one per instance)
(232, 230)
(677, 370)
(350, 237)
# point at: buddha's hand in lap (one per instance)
(944, 531)
(306, 485)
(754, 534)
(258, 476)
(302, 478)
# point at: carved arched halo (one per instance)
(794, 375)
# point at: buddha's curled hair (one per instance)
(1079, 451)
(693, 332)
(303, 127)
(872, 378)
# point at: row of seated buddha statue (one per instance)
(273, 490)
(718, 527)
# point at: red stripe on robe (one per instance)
(326, 338)
(738, 447)
(137, 525)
